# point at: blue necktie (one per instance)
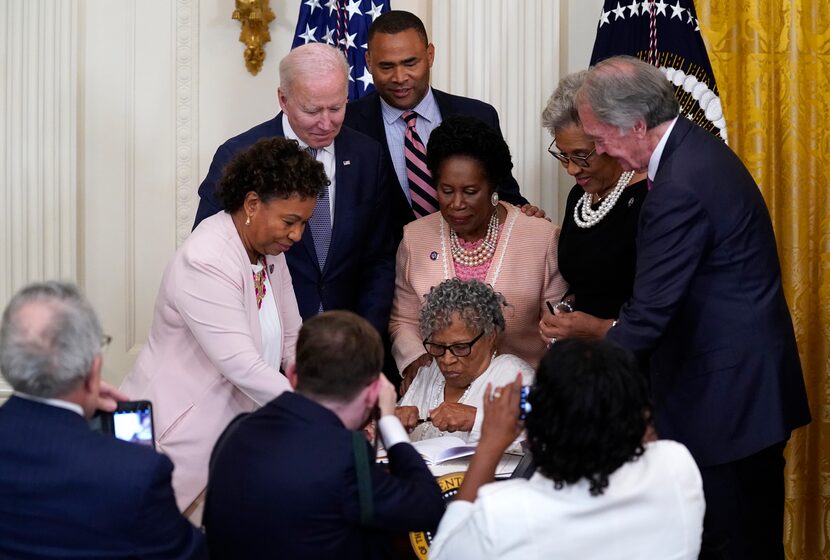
(320, 224)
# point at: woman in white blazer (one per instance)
(226, 318)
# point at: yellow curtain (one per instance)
(772, 64)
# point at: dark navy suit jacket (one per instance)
(283, 484)
(69, 492)
(360, 267)
(365, 115)
(708, 301)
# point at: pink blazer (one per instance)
(524, 269)
(202, 364)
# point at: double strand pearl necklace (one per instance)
(585, 216)
(481, 254)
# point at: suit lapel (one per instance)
(344, 202)
(678, 133)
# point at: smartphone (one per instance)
(524, 405)
(132, 421)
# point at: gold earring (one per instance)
(248, 221)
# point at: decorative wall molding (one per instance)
(187, 115)
(38, 124)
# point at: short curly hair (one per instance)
(470, 137)
(478, 305)
(560, 110)
(272, 168)
(590, 409)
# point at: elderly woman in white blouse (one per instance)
(460, 323)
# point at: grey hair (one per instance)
(312, 59)
(48, 358)
(560, 111)
(478, 305)
(622, 89)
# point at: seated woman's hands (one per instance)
(409, 416)
(453, 417)
(410, 371)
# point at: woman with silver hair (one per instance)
(597, 250)
(460, 323)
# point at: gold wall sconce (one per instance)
(255, 16)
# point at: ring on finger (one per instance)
(496, 394)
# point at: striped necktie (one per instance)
(420, 180)
(320, 222)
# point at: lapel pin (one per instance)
(270, 269)
(630, 202)
(433, 255)
(347, 162)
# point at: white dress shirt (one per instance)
(652, 509)
(654, 160)
(326, 156)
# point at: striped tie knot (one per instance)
(410, 117)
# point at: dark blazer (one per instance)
(708, 302)
(283, 482)
(360, 267)
(69, 492)
(365, 115)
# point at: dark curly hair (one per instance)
(467, 136)
(590, 409)
(272, 168)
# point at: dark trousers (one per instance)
(745, 508)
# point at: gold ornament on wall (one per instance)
(255, 16)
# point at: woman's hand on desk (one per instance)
(453, 417)
(408, 415)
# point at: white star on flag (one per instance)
(661, 7)
(348, 40)
(634, 8)
(328, 36)
(351, 69)
(313, 4)
(677, 11)
(619, 12)
(309, 35)
(603, 19)
(366, 78)
(332, 6)
(353, 8)
(375, 11)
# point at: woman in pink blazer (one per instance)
(225, 317)
(474, 236)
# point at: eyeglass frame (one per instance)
(445, 347)
(579, 161)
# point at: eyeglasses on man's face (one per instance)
(459, 349)
(564, 159)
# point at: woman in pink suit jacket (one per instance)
(474, 236)
(206, 359)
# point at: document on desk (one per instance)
(440, 449)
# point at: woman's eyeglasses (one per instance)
(564, 159)
(459, 349)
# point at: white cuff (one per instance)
(392, 431)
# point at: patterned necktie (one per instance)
(320, 222)
(649, 183)
(420, 179)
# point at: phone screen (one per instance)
(135, 426)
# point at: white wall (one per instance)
(112, 112)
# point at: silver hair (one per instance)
(622, 90)
(560, 111)
(48, 358)
(312, 59)
(478, 305)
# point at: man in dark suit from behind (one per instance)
(66, 491)
(297, 479)
(346, 257)
(400, 56)
(708, 306)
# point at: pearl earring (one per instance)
(248, 221)
(494, 199)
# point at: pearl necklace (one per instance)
(586, 217)
(438, 395)
(481, 254)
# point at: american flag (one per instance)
(668, 36)
(345, 25)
